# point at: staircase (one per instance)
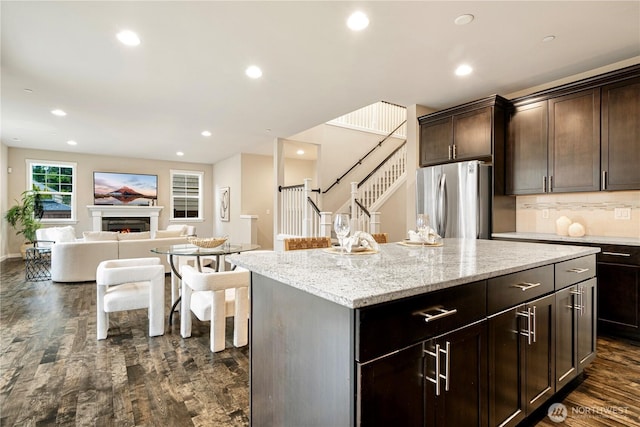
(372, 192)
(299, 214)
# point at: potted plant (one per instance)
(25, 216)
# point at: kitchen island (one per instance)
(463, 333)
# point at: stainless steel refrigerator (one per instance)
(457, 198)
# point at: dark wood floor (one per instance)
(53, 371)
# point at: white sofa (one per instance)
(77, 260)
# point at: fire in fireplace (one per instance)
(126, 225)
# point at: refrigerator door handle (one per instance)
(443, 206)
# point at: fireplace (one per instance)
(126, 224)
(108, 218)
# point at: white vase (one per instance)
(562, 226)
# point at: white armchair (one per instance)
(130, 284)
(213, 297)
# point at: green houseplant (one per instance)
(25, 215)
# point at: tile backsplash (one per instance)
(595, 211)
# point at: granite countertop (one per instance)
(602, 240)
(399, 271)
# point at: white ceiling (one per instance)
(187, 75)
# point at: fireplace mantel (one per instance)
(102, 211)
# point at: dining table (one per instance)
(174, 252)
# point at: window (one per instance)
(55, 181)
(186, 195)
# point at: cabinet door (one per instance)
(621, 135)
(574, 142)
(463, 402)
(586, 321)
(472, 134)
(390, 390)
(567, 302)
(506, 379)
(619, 298)
(526, 152)
(436, 140)
(539, 352)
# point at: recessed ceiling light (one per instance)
(358, 21)
(15, 139)
(205, 133)
(58, 112)
(254, 72)
(179, 153)
(28, 90)
(549, 39)
(128, 38)
(300, 152)
(71, 142)
(464, 19)
(463, 70)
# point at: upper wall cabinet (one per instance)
(466, 132)
(621, 135)
(583, 136)
(574, 142)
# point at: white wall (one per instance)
(258, 195)
(86, 165)
(227, 173)
(250, 181)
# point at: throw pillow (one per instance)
(98, 236)
(134, 236)
(63, 234)
(168, 233)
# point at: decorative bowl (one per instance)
(206, 242)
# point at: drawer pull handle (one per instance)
(578, 270)
(615, 253)
(442, 312)
(526, 286)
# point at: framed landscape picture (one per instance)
(224, 204)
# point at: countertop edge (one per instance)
(362, 302)
(554, 238)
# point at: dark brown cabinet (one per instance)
(392, 389)
(521, 360)
(576, 315)
(583, 136)
(436, 141)
(621, 135)
(554, 145)
(456, 378)
(470, 131)
(527, 149)
(574, 142)
(619, 296)
(521, 333)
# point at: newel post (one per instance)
(374, 223)
(326, 224)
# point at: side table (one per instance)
(37, 264)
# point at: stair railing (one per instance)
(299, 214)
(383, 177)
(359, 162)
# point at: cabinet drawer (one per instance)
(575, 271)
(513, 289)
(615, 254)
(384, 328)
